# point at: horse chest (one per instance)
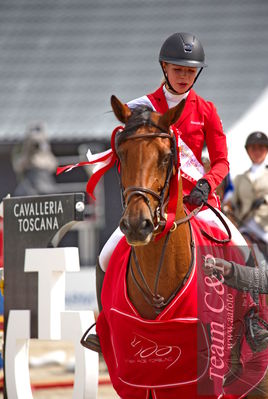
(140, 296)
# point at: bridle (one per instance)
(158, 216)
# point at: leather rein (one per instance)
(159, 214)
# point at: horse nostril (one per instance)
(137, 230)
(124, 226)
(147, 226)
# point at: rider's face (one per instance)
(257, 153)
(180, 77)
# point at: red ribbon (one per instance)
(104, 157)
(172, 206)
(109, 158)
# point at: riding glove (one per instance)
(199, 193)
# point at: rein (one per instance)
(160, 209)
(153, 298)
(205, 234)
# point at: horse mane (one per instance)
(141, 116)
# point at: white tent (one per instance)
(256, 118)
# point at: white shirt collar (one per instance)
(257, 168)
(174, 99)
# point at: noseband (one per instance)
(159, 214)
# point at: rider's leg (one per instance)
(108, 248)
(99, 282)
(92, 340)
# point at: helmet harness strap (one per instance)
(169, 84)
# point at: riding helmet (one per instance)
(257, 138)
(183, 49)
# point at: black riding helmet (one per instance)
(182, 49)
(257, 138)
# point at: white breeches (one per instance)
(206, 215)
(109, 247)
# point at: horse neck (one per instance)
(177, 259)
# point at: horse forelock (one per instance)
(141, 116)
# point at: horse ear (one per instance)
(121, 111)
(172, 115)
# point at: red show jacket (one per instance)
(199, 123)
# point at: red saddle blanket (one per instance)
(185, 351)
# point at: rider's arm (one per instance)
(247, 278)
(217, 148)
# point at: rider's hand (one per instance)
(199, 193)
(257, 203)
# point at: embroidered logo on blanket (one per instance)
(167, 347)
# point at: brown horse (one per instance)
(158, 269)
(146, 167)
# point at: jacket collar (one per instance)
(158, 99)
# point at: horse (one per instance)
(158, 270)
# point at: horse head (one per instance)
(147, 151)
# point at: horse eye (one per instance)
(165, 159)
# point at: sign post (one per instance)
(34, 296)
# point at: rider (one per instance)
(182, 59)
(250, 197)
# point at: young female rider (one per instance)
(182, 59)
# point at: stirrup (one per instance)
(91, 341)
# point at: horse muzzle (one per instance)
(138, 230)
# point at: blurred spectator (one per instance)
(35, 164)
(250, 197)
